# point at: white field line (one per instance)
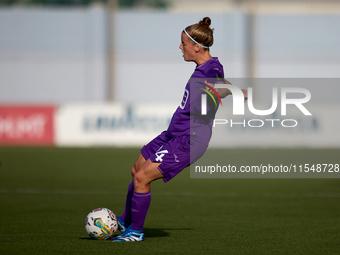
(107, 192)
(56, 191)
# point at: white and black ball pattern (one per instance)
(101, 223)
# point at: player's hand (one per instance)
(222, 92)
(245, 93)
(208, 86)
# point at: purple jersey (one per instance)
(188, 120)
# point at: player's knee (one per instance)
(139, 178)
(133, 171)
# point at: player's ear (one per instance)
(197, 48)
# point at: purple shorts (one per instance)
(174, 153)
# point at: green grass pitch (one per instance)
(46, 193)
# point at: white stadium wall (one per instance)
(111, 124)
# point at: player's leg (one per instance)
(147, 173)
(139, 162)
(146, 152)
(140, 201)
(166, 162)
(124, 221)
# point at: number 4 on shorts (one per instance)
(160, 155)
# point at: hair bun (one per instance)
(201, 32)
(205, 22)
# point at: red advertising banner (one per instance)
(26, 125)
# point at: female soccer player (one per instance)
(186, 138)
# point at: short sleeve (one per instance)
(215, 72)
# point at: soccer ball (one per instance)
(101, 223)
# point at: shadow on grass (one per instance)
(149, 232)
(156, 232)
(87, 238)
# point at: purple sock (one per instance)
(139, 208)
(126, 216)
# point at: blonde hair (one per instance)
(201, 32)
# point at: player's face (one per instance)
(188, 48)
